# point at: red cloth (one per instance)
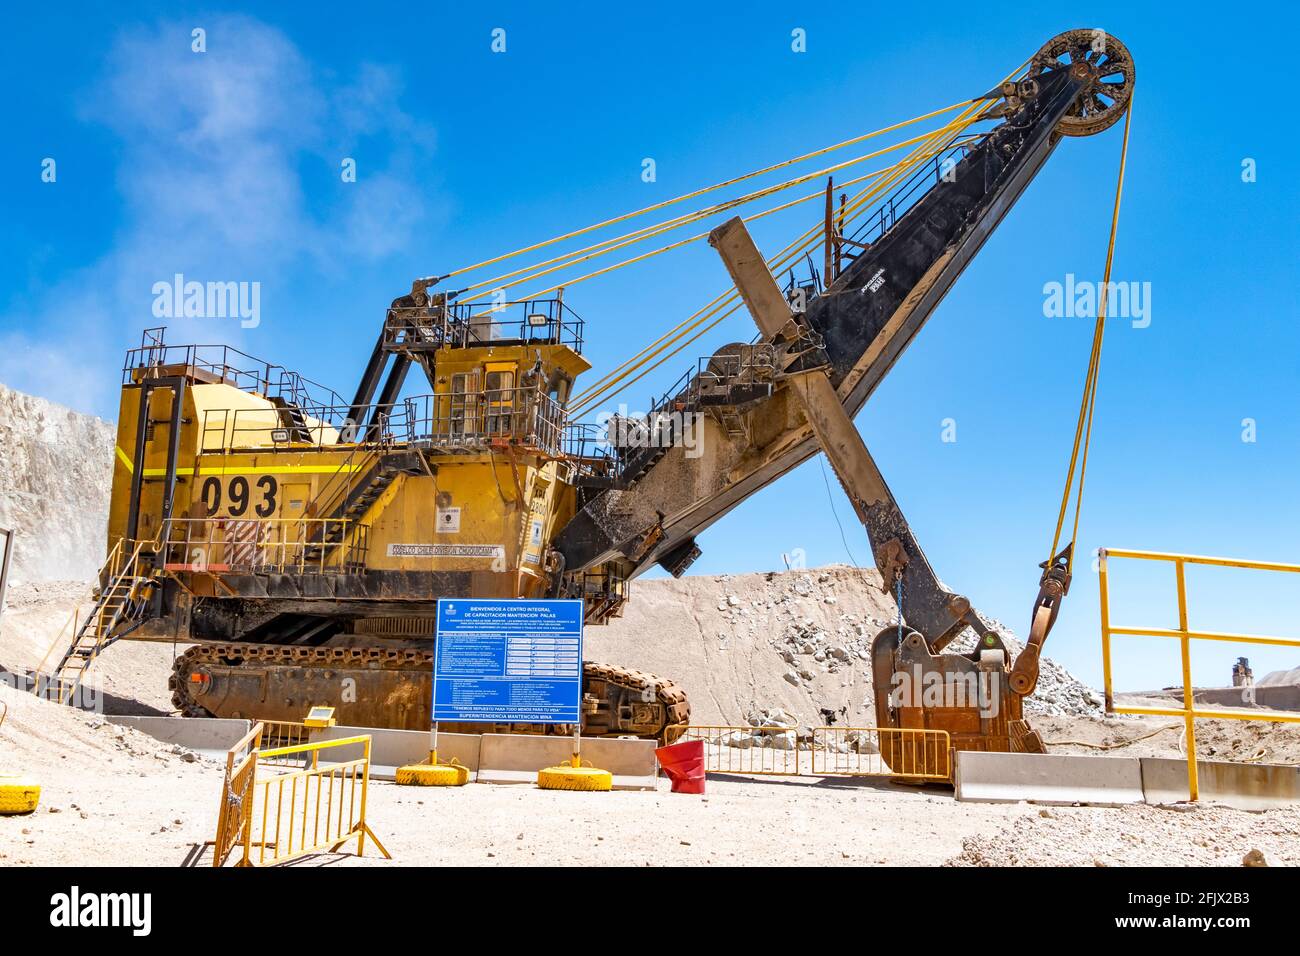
(684, 764)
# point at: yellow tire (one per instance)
(18, 795)
(574, 778)
(435, 775)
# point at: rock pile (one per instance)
(772, 728)
(796, 640)
(810, 648)
(55, 470)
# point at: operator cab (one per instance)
(501, 372)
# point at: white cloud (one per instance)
(228, 170)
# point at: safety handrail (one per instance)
(336, 490)
(1185, 634)
(109, 563)
(256, 545)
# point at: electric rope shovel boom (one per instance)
(299, 540)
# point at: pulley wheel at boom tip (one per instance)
(1096, 56)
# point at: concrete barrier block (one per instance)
(516, 758)
(390, 749)
(208, 735)
(1047, 778)
(1246, 786)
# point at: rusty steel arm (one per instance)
(865, 319)
(930, 608)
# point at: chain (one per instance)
(898, 599)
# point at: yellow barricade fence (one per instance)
(1184, 634)
(317, 808)
(746, 750)
(288, 802)
(236, 808)
(277, 734)
(882, 752)
(832, 751)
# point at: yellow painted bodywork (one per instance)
(492, 510)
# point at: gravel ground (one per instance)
(1138, 836)
(112, 796)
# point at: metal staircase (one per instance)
(120, 603)
(352, 500)
(292, 419)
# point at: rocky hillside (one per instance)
(795, 640)
(56, 467)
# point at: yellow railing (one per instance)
(288, 802)
(1185, 635)
(266, 545)
(897, 752)
(745, 749)
(48, 678)
(913, 754)
(73, 622)
(278, 734)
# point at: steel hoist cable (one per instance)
(690, 332)
(682, 328)
(726, 304)
(586, 254)
(618, 380)
(697, 322)
(1083, 428)
(707, 189)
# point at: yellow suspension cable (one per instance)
(708, 189)
(605, 387)
(1083, 429)
(683, 343)
(608, 245)
(602, 389)
(641, 257)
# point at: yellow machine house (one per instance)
(303, 540)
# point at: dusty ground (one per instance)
(1137, 836)
(131, 675)
(1253, 741)
(113, 796)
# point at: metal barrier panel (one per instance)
(746, 750)
(319, 807)
(1185, 635)
(297, 804)
(278, 734)
(236, 810)
(896, 752)
(882, 752)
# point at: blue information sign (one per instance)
(508, 661)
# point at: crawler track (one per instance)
(390, 687)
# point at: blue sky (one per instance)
(225, 166)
